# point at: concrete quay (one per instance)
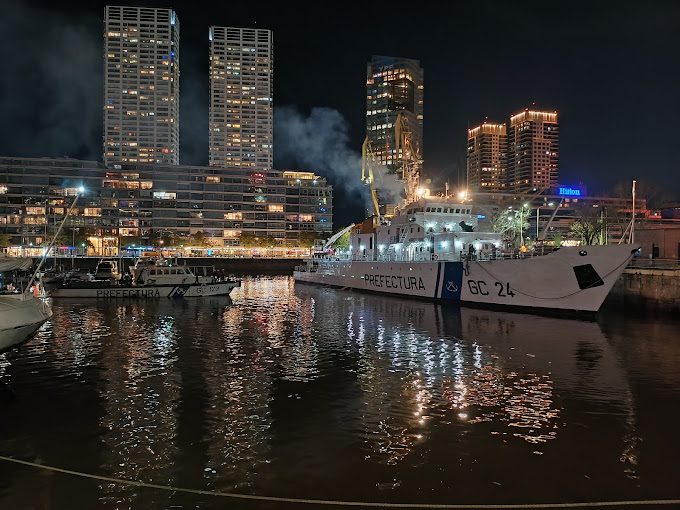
(648, 289)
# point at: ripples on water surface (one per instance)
(301, 391)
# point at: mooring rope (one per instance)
(365, 504)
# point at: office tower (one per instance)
(241, 96)
(394, 85)
(141, 85)
(533, 151)
(486, 157)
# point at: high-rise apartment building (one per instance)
(141, 85)
(486, 157)
(533, 151)
(394, 85)
(241, 98)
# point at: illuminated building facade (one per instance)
(533, 151)
(241, 98)
(141, 85)
(393, 85)
(134, 204)
(486, 157)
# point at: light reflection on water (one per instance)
(310, 392)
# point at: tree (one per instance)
(511, 224)
(256, 241)
(342, 242)
(74, 237)
(652, 193)
(588, 225)
(199, 239)
(557, 240)
(5, 240)
(170, 240)
(306, 239)
(154, 238)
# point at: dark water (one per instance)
(300, 391)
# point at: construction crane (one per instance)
(368, 163)
(409, 155)
(337, 236)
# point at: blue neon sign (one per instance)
(569, 192)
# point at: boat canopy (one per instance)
(15, 263)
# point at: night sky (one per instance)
(612, 71)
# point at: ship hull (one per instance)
(147, 292)
(574, 278)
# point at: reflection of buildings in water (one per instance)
(139, 391)
(73, 335)
(497, 372)
(410, 376)
(267, 335)
(570, 357)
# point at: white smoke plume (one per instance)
(320, 142)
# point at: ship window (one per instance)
(587, 276)
(439, 209)
(418, 229)
(457, 211)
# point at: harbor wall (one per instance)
(647, 289)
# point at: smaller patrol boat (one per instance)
(147, 279)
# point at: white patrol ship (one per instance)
(149, 278)
(432, 249)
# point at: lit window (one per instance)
(164, 195)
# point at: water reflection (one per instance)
(303, 391)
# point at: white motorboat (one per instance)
(21, 314)
(432, 250)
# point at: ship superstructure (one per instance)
(425, 230)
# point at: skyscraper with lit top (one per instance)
(141, 85)
(486, 157)
(533, 151)
(241, 98)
